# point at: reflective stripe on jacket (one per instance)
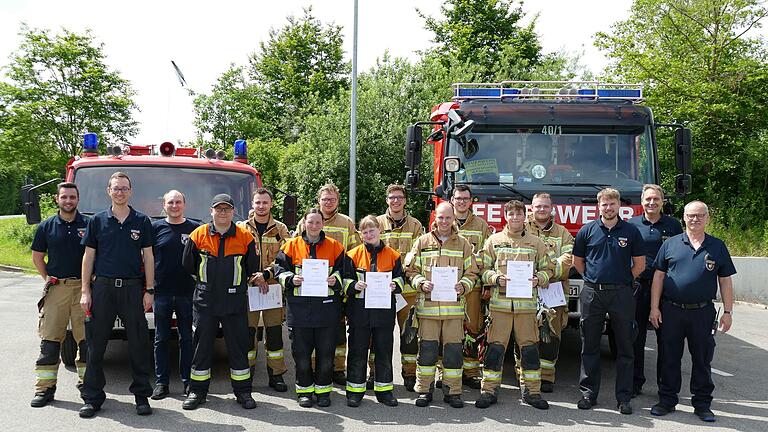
(560, 243)
(366, 258)
(267, 244)
(400, 238)
(338, 227)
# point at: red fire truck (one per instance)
(154, 170)
(512, 139)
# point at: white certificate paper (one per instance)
(444, 280)
(315, 274)
(553, 296)
(400, 302)
(271, 300)
(519, 274)
(378, 294)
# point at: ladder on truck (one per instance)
(549, 90)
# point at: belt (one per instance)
(69, 281)
(605, 286)
(118, 282)
(690, 305)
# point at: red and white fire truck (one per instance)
(512, 139)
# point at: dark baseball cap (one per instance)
(222, 199)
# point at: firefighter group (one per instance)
(460, 296)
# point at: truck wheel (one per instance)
(68, 350)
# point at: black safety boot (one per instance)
(42, 398)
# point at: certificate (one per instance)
(444, 280)
(378, 294)
(519, 274)
(315, 274)
(553, 295)
(271, 300)
(400, 302)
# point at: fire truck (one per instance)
(154, 170)
(512, 139)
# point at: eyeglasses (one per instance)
(329, 200)
(462, 199)
(699, 216)
(223, 209)
(120, 189)
(396, 198)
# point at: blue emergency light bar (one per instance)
(90, 142)
(241, 149)
(561, 90)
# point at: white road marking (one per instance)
(721, 373)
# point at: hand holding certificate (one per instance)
(314, 273)
(444, 280)
(519, 276)
(257, 300)
(553, 295)
(378, 294)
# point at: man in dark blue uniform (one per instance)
(689, 267)
(59, 237)
(609, 254)
(173, 291)
(118, 242)
(655, 228)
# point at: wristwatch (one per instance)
(728, 312)
(150, 291)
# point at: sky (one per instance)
(142, 37)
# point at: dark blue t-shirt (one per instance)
(61, 241)
(118, 245)
(654, 234)
(608, 253)
(692, 274)
(170, 277)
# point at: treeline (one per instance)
(700, 61)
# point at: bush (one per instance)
(18, 230)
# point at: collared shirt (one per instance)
(608, 252)
(170, 276)
(691, 275)
(61, 241)
(118, 245)
(654, 234)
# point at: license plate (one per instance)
(574, 287)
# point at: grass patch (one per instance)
(742, 241)
(15, 240)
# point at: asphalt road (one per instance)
(741, 394)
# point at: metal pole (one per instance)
(353, 126)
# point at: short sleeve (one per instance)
(660, 263)
(726, 268)
(40, 242)
(90, 239)
(638, 246)
(580, 243)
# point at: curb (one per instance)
(11, 268)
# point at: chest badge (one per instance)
(81, 232)
(709, 262)
(623, 241)
(184, 239)
(135, 234)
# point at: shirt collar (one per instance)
(78, 218)
(131, 213)
(619, 223)
(230, 232)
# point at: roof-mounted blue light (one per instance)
(241, 149)
(90, 142)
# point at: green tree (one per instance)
(485, 32)
(702, 65)
(60, 88)
(300, 66)
(234, 109)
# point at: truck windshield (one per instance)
(558, 157)
(150, 183)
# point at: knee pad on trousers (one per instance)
(274, 340)
(452, 356)
(549, 350)
(49, 353)
(494, 357)
(427, 353)
(529, 357)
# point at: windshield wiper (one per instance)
(598, 186)
(508, 186)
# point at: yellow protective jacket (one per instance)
(338, 227)
(476, 231)
(560, 243)
(267, 244)
(429, 251)
(521, 246)
(400, 237)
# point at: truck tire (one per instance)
(68, 350)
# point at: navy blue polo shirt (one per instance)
(170, 277)
(608, 253)
(654, 234)
(692, 274)
(61, 241)
(118, 245)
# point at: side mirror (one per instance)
(413, 144)
(290, 206)
(412, 179)
(683, 184)
(30, 204)
(683, 150)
